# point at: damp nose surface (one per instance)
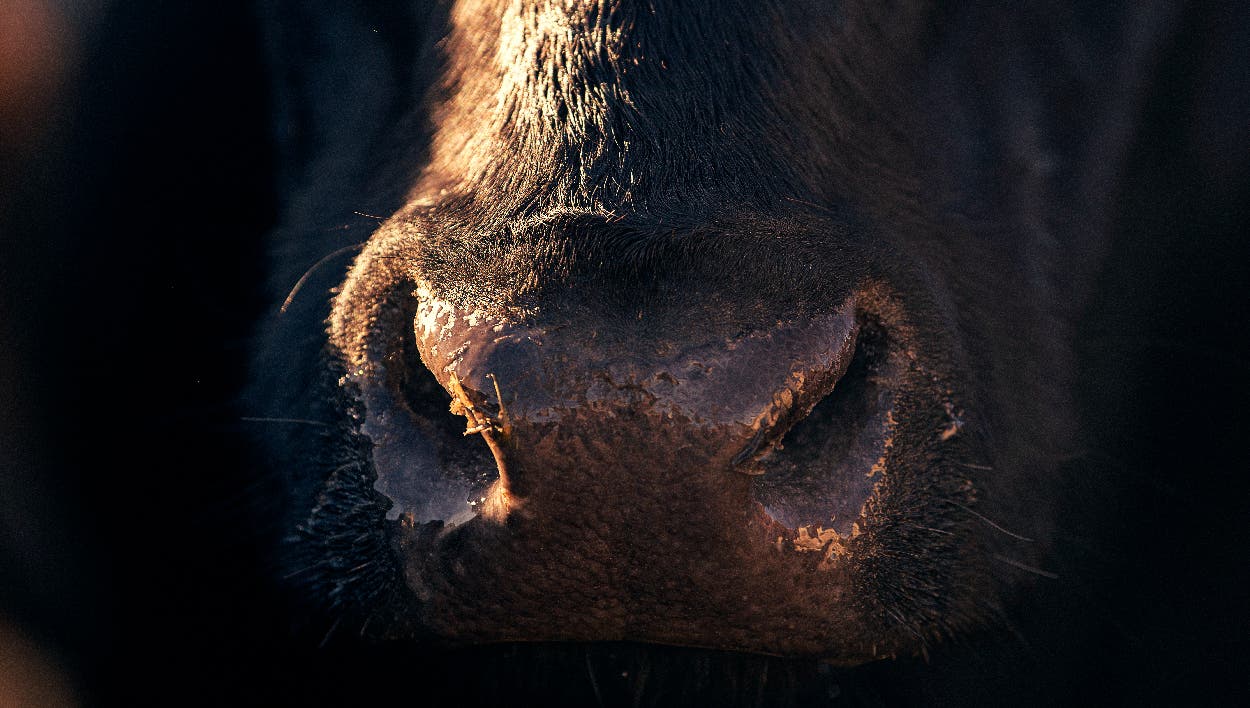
(624, 512)
(663, 404)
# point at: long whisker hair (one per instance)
(299, 284)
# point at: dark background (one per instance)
(131, 265)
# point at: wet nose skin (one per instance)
(628, 404)
(624, 512)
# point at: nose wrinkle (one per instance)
(730, 395)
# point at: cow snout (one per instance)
(628, 453)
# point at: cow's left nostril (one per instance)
(825, 467)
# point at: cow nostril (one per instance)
(425, 463)
(826, 465)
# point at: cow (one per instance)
(739, 326)
(628, 352)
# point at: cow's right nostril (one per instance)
(424, 463)
(826, 466)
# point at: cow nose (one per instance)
(606, 404)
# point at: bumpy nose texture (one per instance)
(559, 401)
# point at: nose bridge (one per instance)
(623, 396)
